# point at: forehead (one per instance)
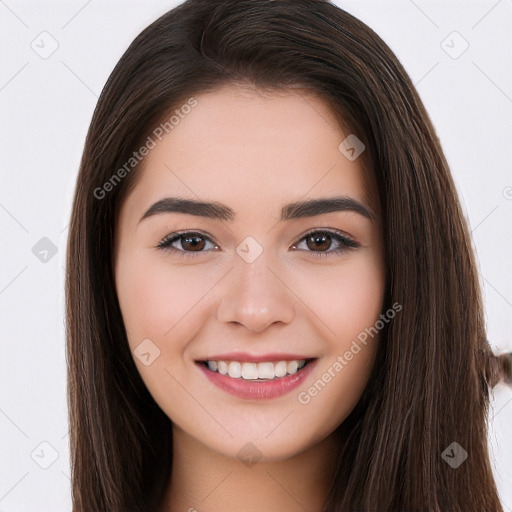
(250, 149)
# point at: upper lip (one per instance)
(255, 358)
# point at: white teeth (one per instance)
(235, 369)
(222, 367)
(265, 371)
(292, 367)
(280, 369)
(251, 371)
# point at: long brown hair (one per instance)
(430, 383)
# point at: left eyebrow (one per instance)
(295, 210)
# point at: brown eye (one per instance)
(190, 242)
(318, 242)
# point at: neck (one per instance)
(203, 480)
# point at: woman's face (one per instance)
(253, 287)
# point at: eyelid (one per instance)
(164, 244)
(330, 231)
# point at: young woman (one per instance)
(272, 300)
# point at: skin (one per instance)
(254, 152)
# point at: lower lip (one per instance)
(254, 390)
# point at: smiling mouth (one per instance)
(257, 372)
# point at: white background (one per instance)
(46, 106)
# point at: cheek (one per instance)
(154, 295)
(347, 299)
(349, 302)
(159, 302)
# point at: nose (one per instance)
(256, 296)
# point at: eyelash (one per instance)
(345, 241)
